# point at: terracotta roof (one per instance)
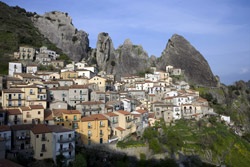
(111, 114)
(99, 117)
(40, 128)
(87, 118)
(120, 129)
(22, 127)
(24, 108)
(141, 111)
(151, 95)
(8, 163)
(78, 87)
(92, 102)
(60, 88)
(64, 111)
(48, 115)
(2, 111)
(123, 112)
(36, 107)
(136, 115)
(58, 128)
(196, 114)
(4, 128)
(14, 111)
(156, 102)
(151, 115)
(12, 91)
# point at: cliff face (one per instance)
(127, 59)
(180, 53)
(58, 28)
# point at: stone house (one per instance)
(21, 139)
(14, 117)
(78, 94)
(91, 107)
(98, 96)
(31, 69)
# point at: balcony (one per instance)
(66, 149)
(27, 137)
(66, 140)
(129, 120)
(101, 134)
(89, 127)
(101, 126)
(114, 122)
(129, 126)
(43, 139)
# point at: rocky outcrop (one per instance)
(127, 59)
(58, 28)
(180, 53)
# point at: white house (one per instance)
(15, 67)
(225, 118)
(152, 77)
(63, 142)
(31, 69)
(176, 112)
(127, 104)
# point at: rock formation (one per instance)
(58, 28)
(180, 53)
(127, 59)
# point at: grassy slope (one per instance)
(17, 29)
(225, 146)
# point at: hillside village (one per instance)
(51, 111)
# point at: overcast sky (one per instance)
(219, 29)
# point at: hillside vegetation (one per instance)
(209, 139)
(17, 29)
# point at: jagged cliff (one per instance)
(180, 53)
(126, 59)
(58, 28)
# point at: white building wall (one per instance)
(15, 68)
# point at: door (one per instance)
(22, 146)
(101, 140)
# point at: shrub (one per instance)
(74, 39)
(112, 63)
(155, 145)
(142, 156)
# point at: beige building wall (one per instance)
(37, 141)
(92, 134)
(101, 82)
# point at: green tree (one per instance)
(155, 145)
(174, 141)
(60, 160)
(80, 161)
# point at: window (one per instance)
(37, 136)
(75, 117)
(101, 123)
(75, 91)
(39, 112)
(25, 121)
(89, 133)
(41, 155)
(89, 125)
(69, 135)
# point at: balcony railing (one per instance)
(43, 139)
(66, 149)
(66, 140)
(129, 120)
(23, 137)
